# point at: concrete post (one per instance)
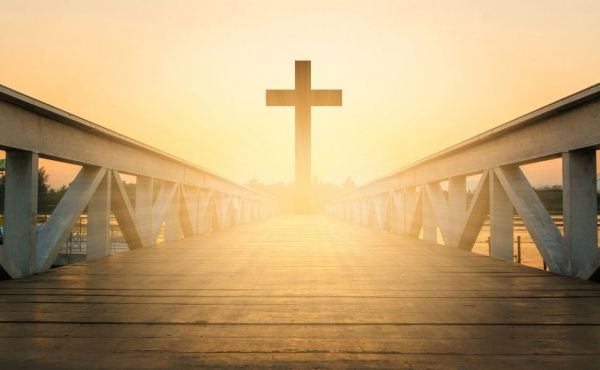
(172, 219)
(188, 210)
(580, 208)
(144, 195)
(429, 224)
(194, 207)
(98, 229)
(20, 213)
(399, 212)
(204, 218)
(413, 210)
(501, 221)
(457, 206)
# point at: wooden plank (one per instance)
(299, 291)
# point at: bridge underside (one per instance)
(299, 291)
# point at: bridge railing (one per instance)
(411, 200)
(185, 198)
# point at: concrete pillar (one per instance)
(413, 210)
(20, 213)
(501, 221)
(204, 217)
(398, 212)
(429, 224)
(189, 208)
(457, 206)
(98, 229)
(580, 207)
(172, 220)
(144, 195)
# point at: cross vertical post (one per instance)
(303, 98)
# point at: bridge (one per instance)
(236, 283)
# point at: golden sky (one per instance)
(189, 77)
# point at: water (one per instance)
(529, 253)
(76, 244)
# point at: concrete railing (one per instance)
(186, 198)
(411, 201)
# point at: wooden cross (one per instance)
(303, 98)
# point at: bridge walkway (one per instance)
(298, 291)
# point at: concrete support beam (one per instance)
(399, 212)
(98, 229)
(172, 220)
(501, 222)
(565, 125)
(188, 210)
(429, 223)
(567, 128)
(20, 213)
(439, 208)
(457, 206)
(144, 196)
(124, 212)
(222, 208)
(32, 129)
(54, 233)
(414, 211)
(471, 224)
(380, 211)
(204, 212)
(32, 125)
(545, 234)
(162, 205)
(580, 211)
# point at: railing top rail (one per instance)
(46, 110)
(586, 95)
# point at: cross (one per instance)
(303, 98)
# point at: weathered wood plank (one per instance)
(299, 291)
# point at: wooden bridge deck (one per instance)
(299, 292)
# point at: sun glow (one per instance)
(189, 78)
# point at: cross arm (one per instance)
(326, 98)
(281, 98)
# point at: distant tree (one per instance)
(43, 188)
(43, 182)
(50, 200)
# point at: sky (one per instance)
(189, 77)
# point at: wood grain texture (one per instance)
(299, 291)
